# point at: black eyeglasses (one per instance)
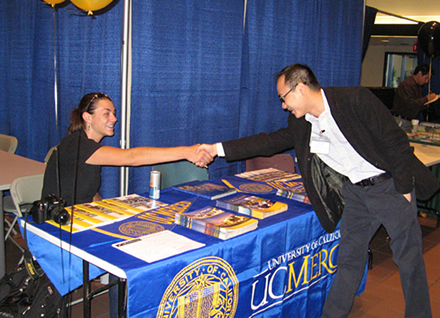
(283, 97)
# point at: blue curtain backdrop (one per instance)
(88, 59)
(325, 35)
(197, 77)
(186, 75)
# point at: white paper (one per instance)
(432, 100)
(157, 246)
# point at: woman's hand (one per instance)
(200, 158)
(211, 149)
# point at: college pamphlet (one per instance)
(216, 222)
(100, 213)
(252, 205)
(286, 184)
(206, 189)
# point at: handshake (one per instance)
(202, 155)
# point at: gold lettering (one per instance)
(156, 219)
(302, 271)
(324, 259)
(315, 264)
(165, 212)
(330, 268)
(330, 260)
(284, 185)
(177, 207)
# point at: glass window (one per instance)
(398, 67)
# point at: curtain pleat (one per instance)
(88, 60)
(186, 76)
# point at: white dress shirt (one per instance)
(328, 142)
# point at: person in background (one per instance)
(357, 167)
(79, 158)
(409, 100)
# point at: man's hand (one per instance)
(407, 196)
(432, 96)
(200, 158)
(211, 149)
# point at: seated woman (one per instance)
(75, 168)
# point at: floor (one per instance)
(383, 295)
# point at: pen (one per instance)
(104, 243)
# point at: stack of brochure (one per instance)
(287, 184)
(252, 205)
(216, 222)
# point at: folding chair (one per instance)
(49, 153)
(8, 143)
(9, 207)
(24, 191)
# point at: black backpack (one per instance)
(27, 292)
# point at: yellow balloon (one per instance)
(91, 5)
(54, 2)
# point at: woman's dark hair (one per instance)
(87, 104)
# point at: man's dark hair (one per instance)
(424, 68)
(299, 73)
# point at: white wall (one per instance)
(373, 64)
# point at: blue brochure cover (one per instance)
(207, 189)
(271, 181)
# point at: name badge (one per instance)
(320, 145)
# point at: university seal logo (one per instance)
(140, 228)
(205, 288)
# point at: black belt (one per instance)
(374, 180)
(398, 116)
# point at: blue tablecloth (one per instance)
(283, 268)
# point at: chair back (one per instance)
(26, 190)
(280, 161)
(49, 153)
(179, 172)
(8, 143)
